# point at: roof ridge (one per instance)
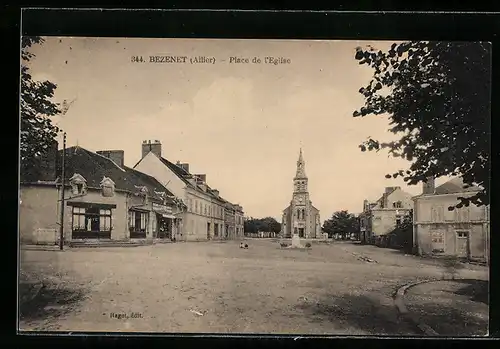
(153, 180)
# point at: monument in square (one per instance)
(301, 219)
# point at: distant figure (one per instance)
(241, 245)
(246, 246)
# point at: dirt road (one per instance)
(217, 287)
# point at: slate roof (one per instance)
(93, 167)
(179, 171)
(184, 176)
(379, 200)
(454, 186)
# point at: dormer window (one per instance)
(78, 184)
(107, 187)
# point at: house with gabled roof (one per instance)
(440, 228)
(381, 217)
(104, 201)
(204, 217)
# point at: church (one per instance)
(301, 217)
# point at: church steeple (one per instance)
(301, 171)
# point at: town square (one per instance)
(234, 197)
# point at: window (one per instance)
(437, 214)
(190, 205)
(91, 222)
(79, 218)
(462, 234)
(138, 224)
(196, 206)
(397, 204)
(437, 241)
(105, 220)
(462, 214)
(206, 210)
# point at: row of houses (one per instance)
(437, 226)
(106, 200)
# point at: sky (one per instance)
(242, 124)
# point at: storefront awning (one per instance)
(168, 216)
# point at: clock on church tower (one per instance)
(299, 200)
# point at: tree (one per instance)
(37, 131)
(271, 225)
(437, 96)
(249, 226)
(268, 224)
(341, 222)
(402, 235)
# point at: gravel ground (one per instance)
(452, 308)
(217, 287)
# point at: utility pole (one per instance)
(61, 211)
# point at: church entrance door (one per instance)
(301, 232)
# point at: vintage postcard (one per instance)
(279, 187)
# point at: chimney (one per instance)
(385, 202)
(151, 146)
(201, 177)
(429, 186)
(216, 192)
(365, 205)
(185, 167)
(117, 156)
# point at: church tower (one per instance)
(301, 217)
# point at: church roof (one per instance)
(301, 171)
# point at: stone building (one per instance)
(233, 221)
(381, 217)
(204, 218)
(301, 217)
(239, 217)
(229, 221)
(104, 200)
(462, 232)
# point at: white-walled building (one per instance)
(204, 218)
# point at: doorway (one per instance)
(164, 227)
(462, 249)
(208, 231)
(301, 232)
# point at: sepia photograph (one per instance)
(254, 186)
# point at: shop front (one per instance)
(165, 222)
